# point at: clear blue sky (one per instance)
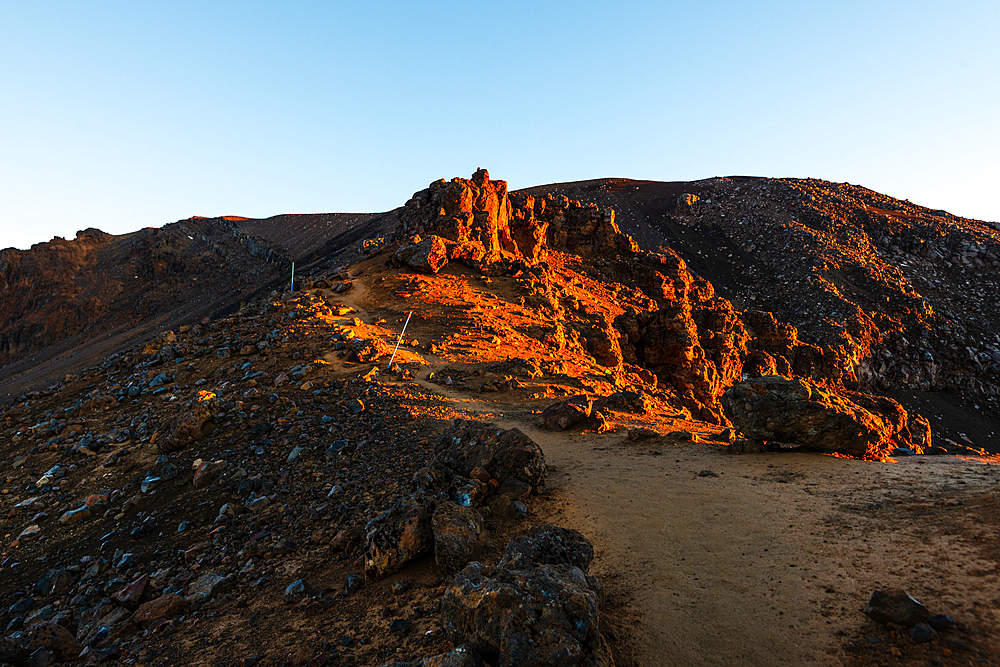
(121, 115)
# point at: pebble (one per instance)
(295, 591)
(353, 584)
(921, 632)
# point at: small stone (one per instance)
(206, 472)
(921, 632)
(129, 596)
(74, 516)
(400, 626)
(223, 352)
(357, 406)
(941, 622)
(167, 605)
(401, 586)
(896, 606)
(29, 533)
(637, 434)
(295, 453)
(206, 587)
(707, 473)
(353, 584)
(295, 591)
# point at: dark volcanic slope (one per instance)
(308, 237)
(911, 288)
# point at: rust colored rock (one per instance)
(54, 637)
(396, 536)
(206, 472)
(365, 350)
(504, 454)
(190, 425)
(130, 596)
(564, 414)
(481, 225)
(920, 433)
(166, 606)
(456, 529)
(796, 411)
(429, 254)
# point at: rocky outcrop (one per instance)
(794, 411)
(525, 612)
(475, 221)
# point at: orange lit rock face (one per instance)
(479, 224)
(776, 408)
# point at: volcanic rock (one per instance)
(795, 411)
(53, 637)
(429, 254)
(503, 454)
(167, 605)
(459, 657)
(189, 425)
(896, 606)
(396, 536)
(564, 414)
(550, 545)
(526, 614)
(456, 529)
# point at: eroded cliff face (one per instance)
(476, 222)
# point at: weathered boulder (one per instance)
(503, 454)
(54, 637)
(564, 414)
(795, 411)
(550, 545)
(456, 529)
(525, 613)
(189, 425)
(396, 536)
(896, 606)
(459, 657)
(167, 605)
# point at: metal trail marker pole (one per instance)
(398, 340)
(292, 288)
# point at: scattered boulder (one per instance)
(396, 536)
(526, 613)
(503, 454)
(896, 606)
(166, 606)
(189, 425)
(795, 411)
(53, 637)
(456, 529)
(564, 414)
(550, 545)
(428, 254)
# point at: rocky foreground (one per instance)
(262, 488)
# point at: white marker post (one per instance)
(399, 340)
(292, 288)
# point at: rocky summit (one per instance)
(448, 441)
